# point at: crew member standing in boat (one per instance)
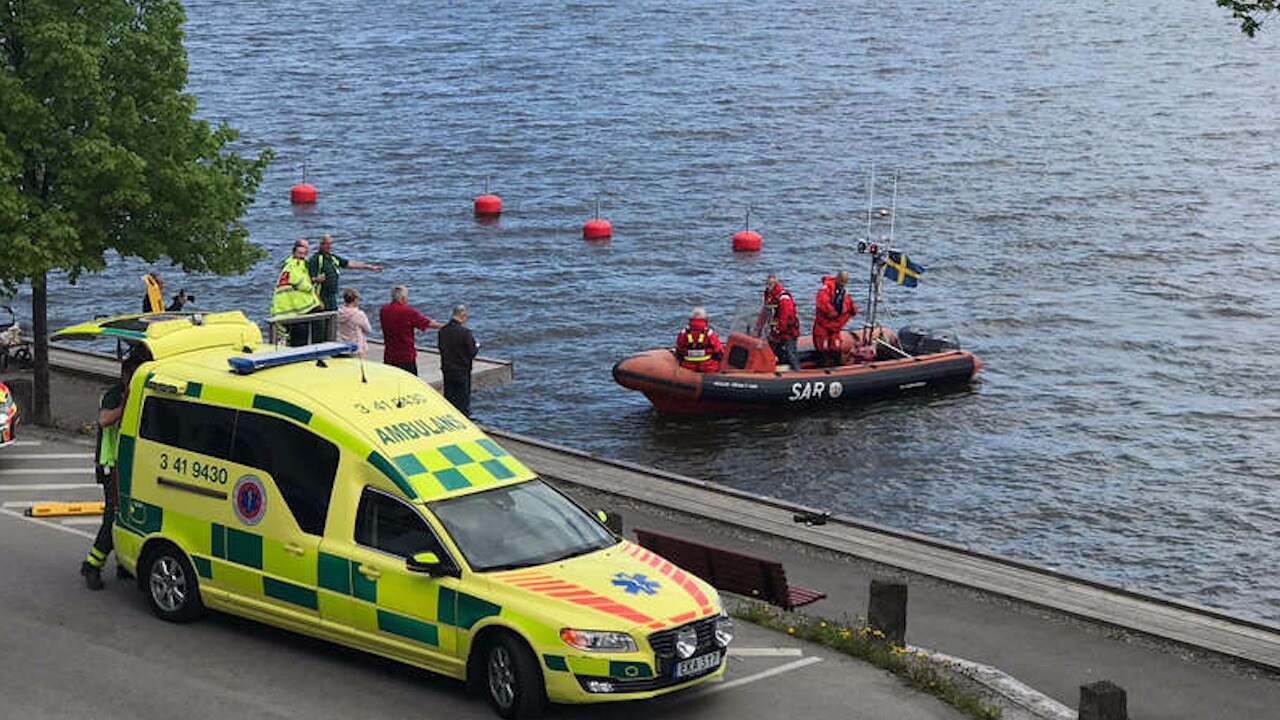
(779, 312)
(834, 308)
(698, 346)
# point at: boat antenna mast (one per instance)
(869, 246)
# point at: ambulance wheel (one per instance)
(170, 584)
(512, 679)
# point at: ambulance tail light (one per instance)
(598, 640)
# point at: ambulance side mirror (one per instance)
(611, 520)
(429, 563)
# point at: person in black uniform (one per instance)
(458, 348)
(110, 411)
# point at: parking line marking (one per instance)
(27, 443)
(766, 652)
(796, 665)
(50, 456)
(96, 520)
(50, 486)
(55, 526)
(48, 471)
(19, 504)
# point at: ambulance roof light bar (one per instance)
(247, 364)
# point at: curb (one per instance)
(1019, 701)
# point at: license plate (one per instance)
(697, 665)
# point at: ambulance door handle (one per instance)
(369, 572)
(294, 549)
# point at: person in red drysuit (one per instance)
(697, 346)
(779, 312)
(833, 309)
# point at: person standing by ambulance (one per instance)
(294, 294)
(833, 308)
(110, 411)
(398, 320)
(325, 269)
(458, 348)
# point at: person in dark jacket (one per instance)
(458, 348)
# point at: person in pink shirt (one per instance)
(399, 320)
(353, 323)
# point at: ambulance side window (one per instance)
(204, 429)
(302, 464)
(386, 524)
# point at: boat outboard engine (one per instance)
(919, 341)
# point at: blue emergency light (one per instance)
(246, 364)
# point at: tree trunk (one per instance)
(40, 335)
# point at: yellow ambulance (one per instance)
(347, 500)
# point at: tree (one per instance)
(99, 152)
(1250, 14)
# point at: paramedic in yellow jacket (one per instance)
(294, 293)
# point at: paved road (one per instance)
(70, 653)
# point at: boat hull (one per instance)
(674, 389)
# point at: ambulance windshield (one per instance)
(519, 525)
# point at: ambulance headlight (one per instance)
(598, 640)
(724, 630)
(686, 641)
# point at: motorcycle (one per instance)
(14, 349)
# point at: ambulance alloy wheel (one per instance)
(513, 679)
(170, 583)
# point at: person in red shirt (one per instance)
(779, 312)
(834, 308)
(398, 321)
(698, 346)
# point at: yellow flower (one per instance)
(791, 631)
(844, 634)
(824, 623)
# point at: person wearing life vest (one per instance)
(294, 293)
(779, 314)
(110, 410)
(833, 308)
(697, 346)
(153, 300)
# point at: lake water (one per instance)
(1092, 188)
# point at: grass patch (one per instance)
(868, 644)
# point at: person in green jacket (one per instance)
(294, 293)
(326, 270)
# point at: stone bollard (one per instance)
(887, 610)
(1103, 700)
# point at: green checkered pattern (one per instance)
(477, 463)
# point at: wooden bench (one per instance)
(729, 570)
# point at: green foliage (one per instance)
(870, 645)
(99, 150)
(1250, 14)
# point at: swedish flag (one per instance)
(902, 271)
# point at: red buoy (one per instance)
(597, 228)
(488, 205)
(747, 240)
(302, 194)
